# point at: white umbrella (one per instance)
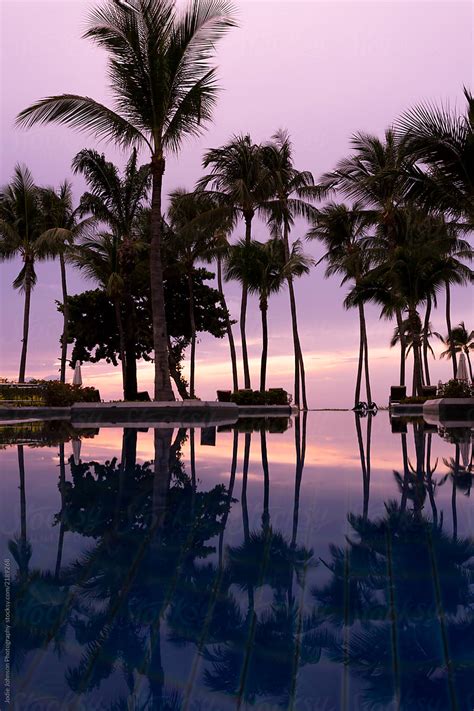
(464, 448)
(462, 369)
(76, 451)
(77, 377)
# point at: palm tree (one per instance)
(406, 332)
(239, 181)
(21, 222)
(441, 140)
(164, 90)
(343, 231)
(264, 270)
(421, 264)
(293, 190)
(192, 240)
(98, 258)
(461, 341)
(378, 175)
(62, 228)
(118, 203)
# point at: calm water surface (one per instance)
(328, 565)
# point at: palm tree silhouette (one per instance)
(240, 182)
(343, 231)
(263, 269)
(164, 90)
(21, 225)
(293, 192)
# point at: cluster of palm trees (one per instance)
(399, 241)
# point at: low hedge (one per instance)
(274, 396)
(455, 388)
(58, 394)
(49, 393)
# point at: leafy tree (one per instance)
(95, 336)
(164, 90)
(192, 240)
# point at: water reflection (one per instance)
(179, 584)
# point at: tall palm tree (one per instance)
(441, 140)
(62, 228)
(239, 180)
(117, 201)
(264, 270)
(194, 239)
(343, 231)
(378, 175)
(21, 222)
(164, 90)
(461, 341)
(293, 192)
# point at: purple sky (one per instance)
(320, 69)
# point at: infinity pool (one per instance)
(319, 563)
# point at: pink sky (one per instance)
(320, 69)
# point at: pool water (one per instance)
(318, 563)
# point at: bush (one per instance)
(275, 396)
(455, 388)
(57, 394)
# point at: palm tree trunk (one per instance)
(366, 358)
(130, 339)
(361, 359)
(122, 354)
(26, 325)
(363, 464)
(62, 265)
(300, 445)
(175, 373)
(192, 320)
(163, 389)
(62, 483)
(243, 310)
(453, 495)
(228, 325)
(263, 363)
(448, 326)
(230, 491)
(161, 475)
(266, 479)
(298, 353)
(403, 346)
(426, 331)
(21, 469)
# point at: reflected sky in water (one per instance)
(326, 566)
